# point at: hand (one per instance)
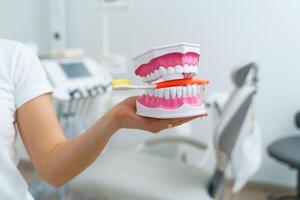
(125, 116)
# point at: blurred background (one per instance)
(230, 33)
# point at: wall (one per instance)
(26, 21)
(230, 33)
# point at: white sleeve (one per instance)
(29, 78)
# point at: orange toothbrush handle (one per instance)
(181, 82)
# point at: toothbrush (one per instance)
(125, 84)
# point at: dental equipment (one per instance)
(58, 32)
(115, 63)
(77, 83)
(172, 91)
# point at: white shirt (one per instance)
(22, 78)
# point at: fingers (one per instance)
(181, 122)
(177, 123)
(157, 125)
(129, 118)
(170, 123)
(165, 124)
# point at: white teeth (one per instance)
(162, 71)
(146, 92)
(151, 92)
(179, 91)
(184, 91)
(173, 92)
(148, 78)
(178, 69)
(166, 93)
(196, 69)
(171, 70)
(156, 93)
(186, 68)
(189, 91)
(194, 88)
(161, 93)
(156, 74)
(192, 69)
(152, 77)
(172, 77)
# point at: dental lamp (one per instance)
(115, 63)
(57, 9)
(239, 76)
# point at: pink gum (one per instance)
(169, 104)
(167, 60)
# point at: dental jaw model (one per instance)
(176, 66)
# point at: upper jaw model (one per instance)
(177, 61)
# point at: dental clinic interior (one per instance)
(233, 64)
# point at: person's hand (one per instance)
(125, 116)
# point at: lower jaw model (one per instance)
(179, 61)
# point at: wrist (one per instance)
(111, 121)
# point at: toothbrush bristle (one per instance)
(118, 82)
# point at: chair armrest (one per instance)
(172, 139)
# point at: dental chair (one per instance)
(136, 175)
(287, 150)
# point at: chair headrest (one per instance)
(239, 76)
